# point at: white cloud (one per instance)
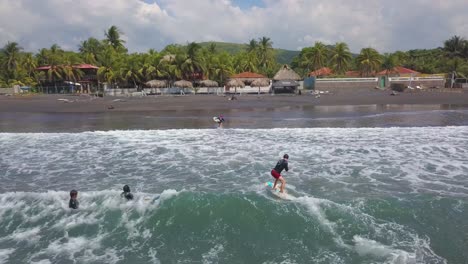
(385, 25)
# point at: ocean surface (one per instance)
(255, 117)
(360, 195)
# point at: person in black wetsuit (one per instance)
(281, 165)
(126, 193)
(73, 203)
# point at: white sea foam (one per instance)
(389, 159)
(212, 256)
(5, 253)
(42, 214)
(365, 246)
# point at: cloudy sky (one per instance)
(291, 24)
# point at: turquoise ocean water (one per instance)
(361, 195)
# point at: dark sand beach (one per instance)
(68, 113)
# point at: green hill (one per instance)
(282, 56)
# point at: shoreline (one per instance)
(59, 113)
(88, 104)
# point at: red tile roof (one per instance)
(77, 66)
(85, 66)
(248, 75)
(353, 74)
(398, 70)
(321, 72)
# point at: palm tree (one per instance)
(246, 62)
(369, 61)
(194, 60)
(11, 53)
(113, 38)
(252, 46)
(455, 46)
(389, 63)
(340, 58)
(110, 63)
(316, 56)
(29, 64)
(212, 48)
(43, 57)
(89, 50)
(265, 52)
(131, 69)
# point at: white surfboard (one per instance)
(276, 192)
(216, 119)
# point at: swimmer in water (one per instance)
(73, 200)
(126, 193)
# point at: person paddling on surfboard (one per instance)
(281, 165)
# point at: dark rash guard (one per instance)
(281, 165)
(73, 204)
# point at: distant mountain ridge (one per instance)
(283, 56)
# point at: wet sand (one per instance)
(86, 104)
(46, 113)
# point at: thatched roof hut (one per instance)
(260, 82)
(235, 83)
(286, 73)
(183, 84)
(247, 77)
(209, 83)
(156, 84)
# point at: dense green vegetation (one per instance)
(213, 60)
(451, 58)
(282, 56)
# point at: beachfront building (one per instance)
(386, 76)
(285, 80)
(399, 72)
(322, 72)
(253, 83)
(79, 78)
(322, 79)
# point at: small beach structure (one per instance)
(156, 84)
(399, 72)
(209, 83)
(156, 87)
(207, 87)
(248, 77)
(85, 79)
(285, 80)
(234, 83)
(183, 84)
(261, 82)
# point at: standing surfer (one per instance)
(220, 120)
(281, 165)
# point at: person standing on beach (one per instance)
(281, 165)
(73, 203)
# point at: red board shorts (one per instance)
(275, 174)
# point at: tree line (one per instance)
(190, 62)
(452, 57)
